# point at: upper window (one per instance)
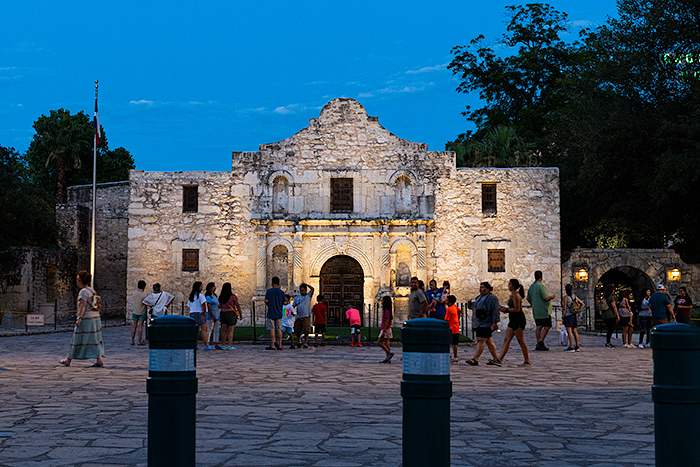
(497, 260)
(190, 198)
(488, 198)
(341, 195)
(190, 259)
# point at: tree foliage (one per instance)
(618, 112)
(61, 154)
(27, 211)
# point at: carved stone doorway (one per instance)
(342, 284)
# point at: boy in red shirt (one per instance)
(319, 313)
(452, 318)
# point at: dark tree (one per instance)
(27, 211)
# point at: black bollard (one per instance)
(426, 390)
(676, 393)
(171, 387)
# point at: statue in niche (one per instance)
(403, 275)
(280, 196)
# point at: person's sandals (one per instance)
(526, 364)
(472, 362)
(388, 359)
(269, 347)
(495, 362)
(64, 362)
(97, 365)
(132, 342)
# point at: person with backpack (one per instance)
(86, 342)
(571, 305)
(608, 311)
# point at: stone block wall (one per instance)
(526, 225)
(220, 229)
(111, 231)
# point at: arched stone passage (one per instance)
(624, 279)
(342, 285)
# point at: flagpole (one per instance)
(94, 191)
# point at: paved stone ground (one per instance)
(326, 406)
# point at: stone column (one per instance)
(385, 266)
(298, 267)
(422, 271)
(261, 232)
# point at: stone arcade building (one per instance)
(349, 208)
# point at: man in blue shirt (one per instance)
(436, 302)
(302, 303)
(660, 304)
(274, 298)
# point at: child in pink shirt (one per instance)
(385, 333)
(354, 316)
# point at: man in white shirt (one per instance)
(158, 301)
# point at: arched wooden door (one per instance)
(342, 284)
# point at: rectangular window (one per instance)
(341, 195)
(190, 197)
(497, 260)
(190, 259)
(488, 198)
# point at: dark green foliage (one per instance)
(27, 210)
(61, 154)
(617, 112)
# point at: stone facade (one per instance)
(111, 228)
(342, 186)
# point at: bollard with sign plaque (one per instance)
(426, 390)
(171, 387)
(676, 393)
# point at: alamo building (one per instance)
(343, 205)
(349, 208)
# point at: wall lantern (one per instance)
(674, 274)
(581, 275)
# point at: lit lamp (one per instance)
(674, 274)
(581, 275)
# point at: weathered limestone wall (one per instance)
(344, 142)
(33, 278)
(221, 230)
(412, 210)
(526, 225)
(110, 238)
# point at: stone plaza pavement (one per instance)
(326, 406)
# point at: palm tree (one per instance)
(64, 138)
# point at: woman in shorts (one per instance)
(198, 311)
(624, 310)
(570, 320)
(230, 314)
(485, 320)
(516, 322)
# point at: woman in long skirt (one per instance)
(87, 337)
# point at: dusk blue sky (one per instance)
(183, 84)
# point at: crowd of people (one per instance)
(217, 316)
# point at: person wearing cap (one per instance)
(660, 304)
